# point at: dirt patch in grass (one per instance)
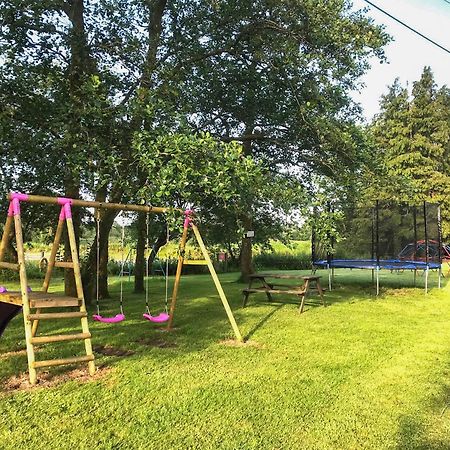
(47, 379)
(156, 342)
(235, 343)
(108, 350)
(22, 352)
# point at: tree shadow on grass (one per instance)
(200, 321)
(263, 321)
(414, 433)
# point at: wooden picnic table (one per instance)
(308, 282)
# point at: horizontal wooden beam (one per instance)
(58, 315)
(60, 302)
(101, 205)
(7, 265)
(60, 362)
(195, 262)
(60, 338)
(65, 264)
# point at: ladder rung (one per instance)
(63, 315)
(65, 264)
(195, 262)
(59, 338)
(7, 265)
(60, 362)
(55, 303)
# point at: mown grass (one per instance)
(363, 373)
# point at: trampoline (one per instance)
(373, 264)
(385, 254)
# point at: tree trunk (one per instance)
(81, 64)
(139, 264)
(90, 270)
(160, 242)
(246, 256)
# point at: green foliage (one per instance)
(33, 273)
(192, 168)
(412, 136)
(86, 94)
(280, 261)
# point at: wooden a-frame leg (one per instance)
(245, 298)
(6, 236)
(79, 286)
(320, 290)
(215, 278)
(176, 285)
(50, 266)
(25, 300)
(246, 294)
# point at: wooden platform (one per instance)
(40, 299)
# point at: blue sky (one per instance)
(408, 53)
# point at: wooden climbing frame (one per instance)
(33, 303)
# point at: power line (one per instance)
(446, 1)
(410, 28)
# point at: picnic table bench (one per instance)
(308, 282)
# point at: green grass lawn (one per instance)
(363, 373)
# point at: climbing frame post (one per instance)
(79, 285)
(6, 233)
(176, 285)
(24, 290)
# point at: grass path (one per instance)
(363, 373)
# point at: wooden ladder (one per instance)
(38, 301)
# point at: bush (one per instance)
(282, 261)
(33, 272)
(114, 267)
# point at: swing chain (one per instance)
(123, 263)
(166, 274)
(147, 256)
(97, 218)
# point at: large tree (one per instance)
(412, 141)
(81, 78)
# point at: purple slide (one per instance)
(7, 312)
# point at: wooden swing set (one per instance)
(33, 303)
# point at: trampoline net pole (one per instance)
(415, 242)
(313, 239)
(377, 236)
(425, 229)
(329, 277)
(378, 280)
(377, 248)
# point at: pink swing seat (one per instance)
(162, 317)
(115, 319)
